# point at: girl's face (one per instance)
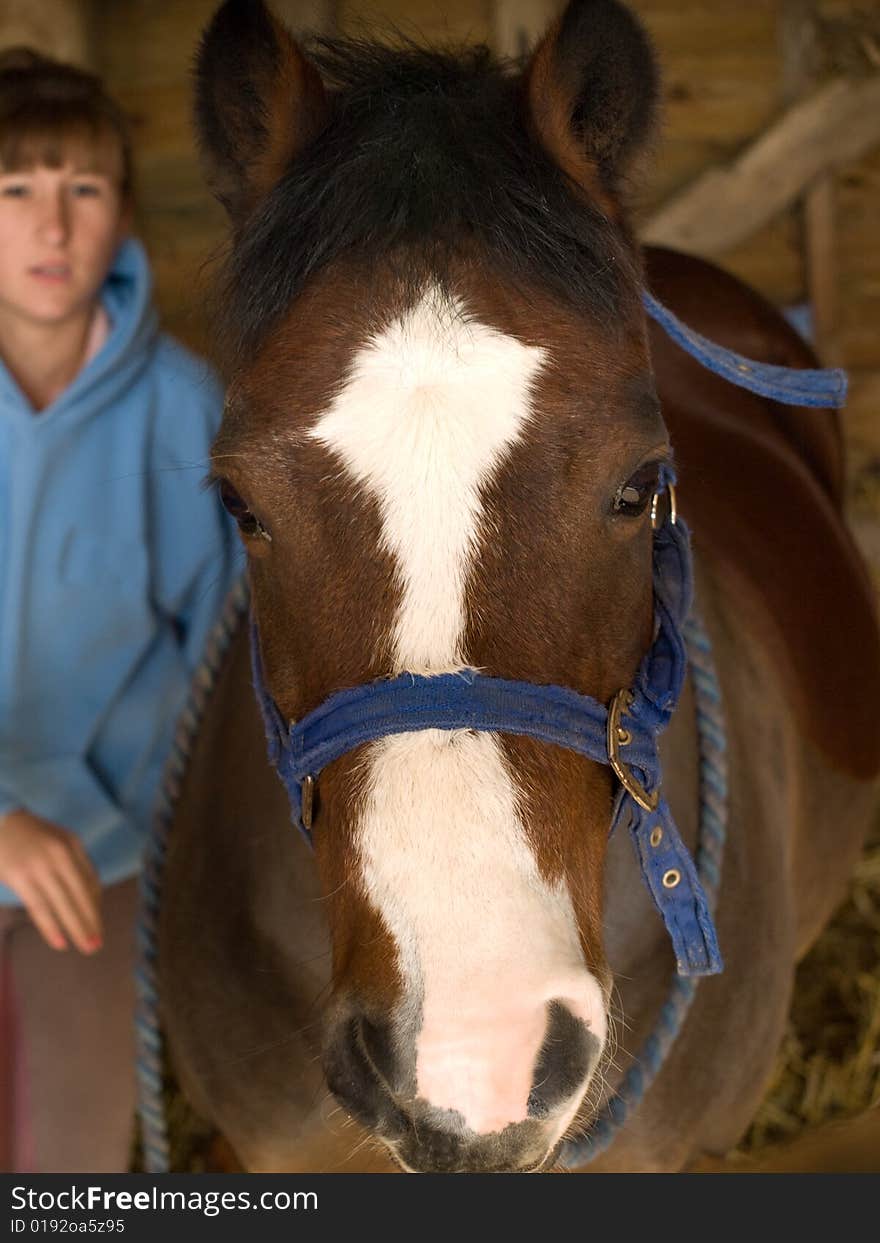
(59, 230)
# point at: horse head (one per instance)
(441, 444)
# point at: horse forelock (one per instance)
(426, 155)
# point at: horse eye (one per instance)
(633, 496)
(248, 523)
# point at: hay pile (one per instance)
(829, 1063)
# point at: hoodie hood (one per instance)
(126, 297)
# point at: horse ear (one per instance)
(592, 88)
(258, 102)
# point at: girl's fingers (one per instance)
(49, 869)
(84, 891)
(70, 903)
(85, 865)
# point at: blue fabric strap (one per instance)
(794, 387)
(558, 715)
(671, 877)
(462, 700)
(550, 714)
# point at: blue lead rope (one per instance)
(795, 387)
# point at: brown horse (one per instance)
(442, 436)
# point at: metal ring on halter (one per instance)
(619, 704)
(673, 506)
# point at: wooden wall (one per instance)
(724, 71)
(61, 28)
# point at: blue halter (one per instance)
(623, 735)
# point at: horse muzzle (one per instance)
(371, 1071)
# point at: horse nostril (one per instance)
(567, 1056)
(357, 1059)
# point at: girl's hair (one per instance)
(51, 112)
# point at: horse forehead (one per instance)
(350, 338)
(431, 408)
(436, 373)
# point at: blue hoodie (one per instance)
(113, 566)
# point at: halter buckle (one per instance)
(621, 701)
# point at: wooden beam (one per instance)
(835, 126)
(518, 24)
(60, 28)
(307, 16)
(798, 33)
(821, 267)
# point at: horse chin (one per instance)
(502, 1153)
(539, 1167)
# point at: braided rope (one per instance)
(148, 1035)
(711, 742)
(713, 822)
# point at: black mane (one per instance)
(426, 152)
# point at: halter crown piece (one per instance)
(624, 735)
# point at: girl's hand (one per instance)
(49, 870)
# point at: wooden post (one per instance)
(517, 24)
(838, 123)
(60, 28)
(797, 32)
(315, 16)
(820, 254)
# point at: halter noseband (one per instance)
(624, 735)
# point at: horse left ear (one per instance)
(592, 87)
(258, 102)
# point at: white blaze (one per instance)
(431, 410)
(484, 939)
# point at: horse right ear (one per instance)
(258, 102)
(592, 87)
